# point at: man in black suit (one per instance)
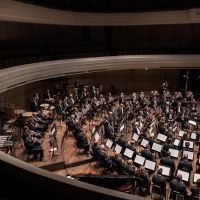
(196, 189)
(116, 162)
(147, 153)
(95, 149)
(178, 186)
(160, 181)
(185, 164)
(168, 162)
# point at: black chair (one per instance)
(196, 198)
(157, 192)
(175, 195)
(141, 186)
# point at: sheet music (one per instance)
(174, 153)
(128, 153)
(162, 137)
(93, 130)
(176, 142)
(135, 137)
(122, 128)
(53, 130)
(190, 154)
(144, 142)
(174, 129)
(181, 133)
(191, 144)
(96, 137)
(156, 147)
(166, 170)
(139, 160)
(196, 177)
(194, 123)
(109, 143)
(150, 165)
(193, 136)
(118, 148)
(185, 175)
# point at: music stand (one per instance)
(193, 136)
(144, 142)
(191, 144)
(118, 148)
(196, 177)
(166, 171)
(151, 165)
(109, 143)
(139, 160)
(128, 153)
(177, 142)
(157, 147)
(185, 175)
(53, 141)
(162, 137)
(190, 154)
(135, 137)
(181, 133)
(174, 153)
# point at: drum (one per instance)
(44, 106)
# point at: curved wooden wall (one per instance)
(34, 182)
(21, 12)
(21, 75)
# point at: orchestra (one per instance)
(147, 125)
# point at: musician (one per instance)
(166, 147)
(109, 131)
(95, 149)
(116, 162)
(122, 142)
(178, 186)
(160, 181)
(185, 164)
(168, 162)
(144, 185)
(34, 105)
(121, 98)
(93, 92)
(136, 128)
(82, 141)
(47, 95)
(33, 147)
(147, 153)
(60, 109)
(196, 189)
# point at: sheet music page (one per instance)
(166, 170)
(196, 177)
(190, 154)
(191, 144)
(118, 148)
(96, 137)
(144, 142)
(139, 160)
(128, 153)
(193, 136)
(150, 165)
(156, 147)
(194, 123)
(176, 142)
(185, 175)
(135, 137)
(122, 128)
(93, 130)
(109, 143)
(174, 153)
(181, 133)
(162, 137)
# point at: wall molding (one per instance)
(24, 74)
(21, 12)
